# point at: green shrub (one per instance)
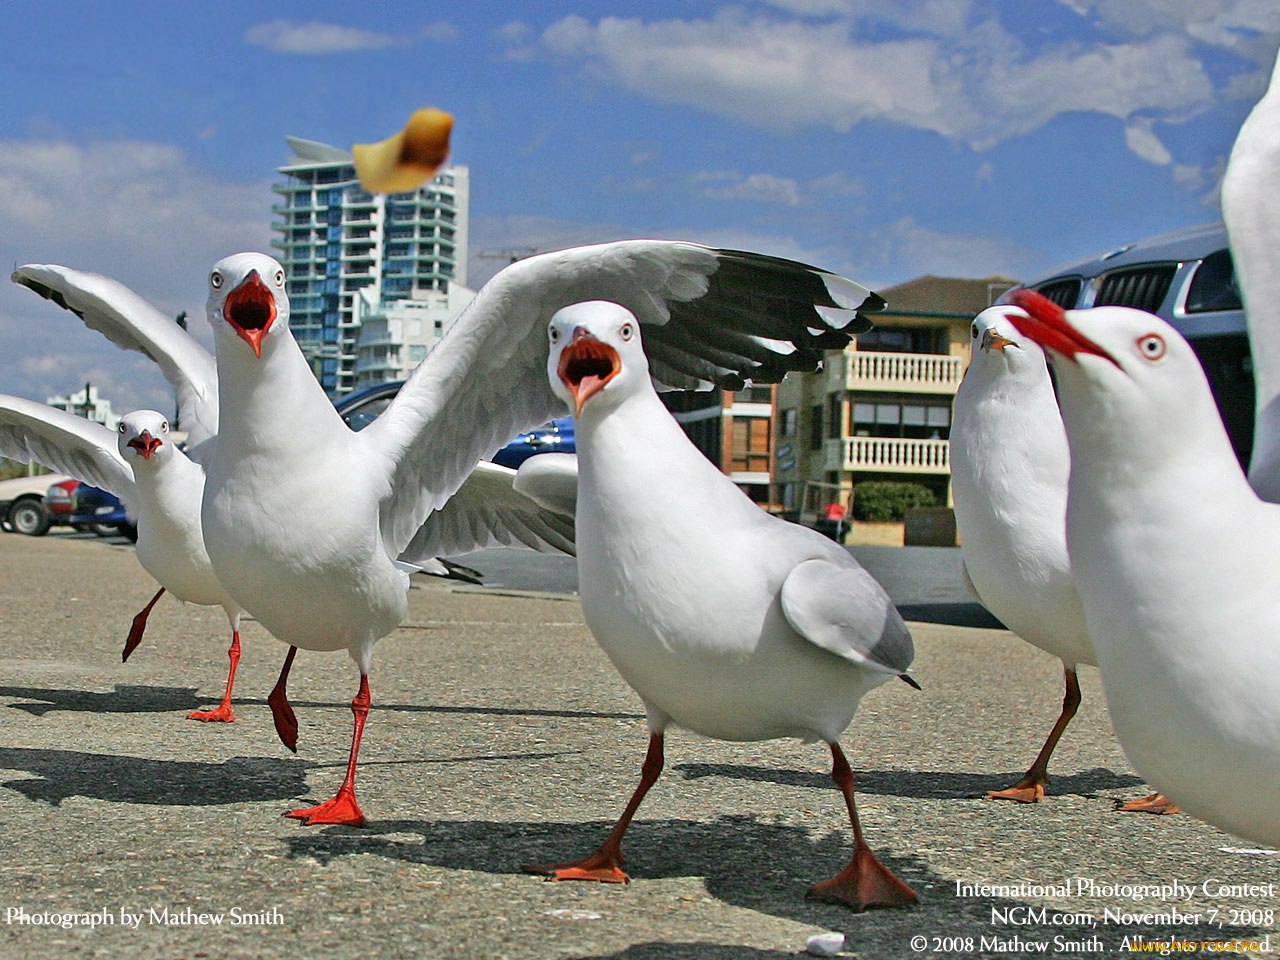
(887, 501)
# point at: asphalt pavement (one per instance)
(501, 735)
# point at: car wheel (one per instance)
(104, 529)
(30, 517)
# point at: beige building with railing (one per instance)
(880, 410)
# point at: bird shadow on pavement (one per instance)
(917, 784)
(60, 774)
(133, 698)
(125, 698)
(743, 861)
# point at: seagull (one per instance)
(726, 621)
(1009, 466)
(1251, 211)
(160, 488)
(1177, 562)
(132, 323)
(332, 582)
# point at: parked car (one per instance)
(22, 506)
(58, 501)
(1187, 278)
(361, 408)
(101, 512)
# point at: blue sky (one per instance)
(883, 139)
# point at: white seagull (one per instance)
(330, 581)
(1009, 468)
(1177, 562)
(728, 622)
(1251, 211)
(132, 323)
(161, 491)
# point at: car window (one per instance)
(366, 413)
(1214, 285)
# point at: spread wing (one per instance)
(843, 610)
(485, 512)
(72, 445)
(712, 318)
(130, 322)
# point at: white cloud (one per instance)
(314, 37)
(764, 187)
(980, 88)
(1141, 138)
(136, 211)
(940, 17)
(769, 188)
(906, 249)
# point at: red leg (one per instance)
(139, 626)
(605, 865)
(1030, 788)
(343, 808)
(223, 712)
(281, 710)
(1156, 803)
(865, 882)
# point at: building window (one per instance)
(789, 418)
(917, 418)
(835, 415)
(904, 340)
(749, 450)
(815, 427)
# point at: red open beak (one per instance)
(145, 444)
(586, 365)
(251, 309)
(1047, 325)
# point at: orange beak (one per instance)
(993, 341)
(251, 309)
(145, 444)
(586, 365)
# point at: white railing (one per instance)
(889, 455)
(905, 372)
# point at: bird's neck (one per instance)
(636, 458)
(270, 401)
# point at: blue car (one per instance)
(97, 510)
(361, 408)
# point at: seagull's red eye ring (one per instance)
(279, 278)
(553, 334)
(626, 331)
(1152, 346)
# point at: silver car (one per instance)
(1185, 277)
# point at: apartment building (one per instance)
(880, 409)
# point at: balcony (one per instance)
(897, 372)
(888, 455)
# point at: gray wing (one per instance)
(712, 318)
(69, 444)
(129, 321)
(845, 611)
(486, 511)
(550, 480)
